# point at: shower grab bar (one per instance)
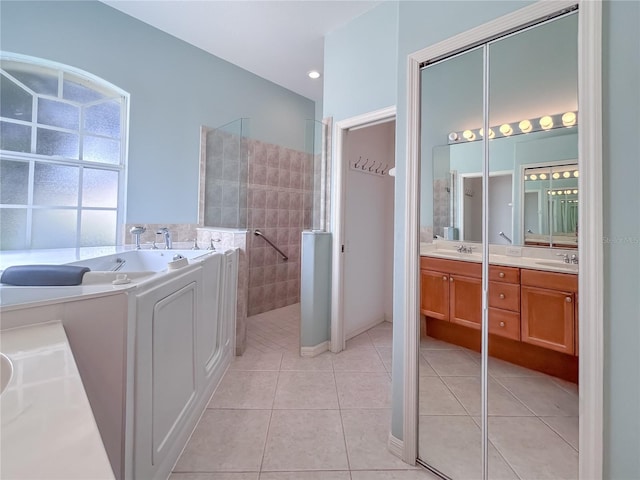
(119, 264)
(505, 237)
(260, 234)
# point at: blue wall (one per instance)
(420, 24)
(175, 88)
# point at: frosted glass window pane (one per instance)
(13, 234)
(55, 185)
(98, 228)
(80, 90)
(58, 114)
(99, 188)
(102, 150)
(14, 182)
(39, 79)
(103, 119)
(54, 228)
(50, 142)
(14, 137)
(14, 101)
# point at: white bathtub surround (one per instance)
(150, 352)
(48, 428)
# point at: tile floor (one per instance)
(533, 418)
(277, 416)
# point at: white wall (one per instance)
(368, 267)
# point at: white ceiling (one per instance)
(277, 40)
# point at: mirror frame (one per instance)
(591, 309)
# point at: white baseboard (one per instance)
(360, 330)
(395, 446)
(315, 350)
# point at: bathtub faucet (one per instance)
(164, 231)
(136, 232)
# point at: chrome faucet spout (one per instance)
(164, 231)
(136, 232)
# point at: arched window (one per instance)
(63, 148)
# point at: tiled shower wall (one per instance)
(280, 199)
(257, 185)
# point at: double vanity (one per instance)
(532, 304)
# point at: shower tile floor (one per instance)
(277, 416)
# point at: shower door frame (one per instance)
(591, 309)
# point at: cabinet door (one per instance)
(465, 301)
(434, 294)
(548, 318)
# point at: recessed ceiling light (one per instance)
(314, 74)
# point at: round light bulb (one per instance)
(546, 122)
(453, 136)
(505, 129)
(567, 192)
(569, 119)
(314, 74)
(553, 193)
(543, 176)
(548, 192)
(566, 174)
(525, 126)
(556, 176)
(491, 133)
(576, 174)
(469, 135)
(533, 176)
(575, 192)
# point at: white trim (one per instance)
(340, 164)
(590, 214)
(395, 445)
(315, 350)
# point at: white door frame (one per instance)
(591, 310)
(340, 163)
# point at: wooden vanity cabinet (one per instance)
(548, 310)
(434, 294)
(504, 301)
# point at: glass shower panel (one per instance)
(533, 78)
(451, 165)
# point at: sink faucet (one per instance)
(574, 259)
(164, 231)
(136, 232)
(464, 249)
(565, 257)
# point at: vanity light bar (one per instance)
(563, 191)
(546, 122)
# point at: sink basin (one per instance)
(456, 255)
(565, 266)
(6, 371)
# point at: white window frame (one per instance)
(31, 158)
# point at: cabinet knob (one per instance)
(444, 277)
(502, 296)
(451, 279)
(502, 324)
(568, 299)
(501, 274)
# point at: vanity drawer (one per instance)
(498, 273)
(567, 282)
(505, 296)
(504, 323)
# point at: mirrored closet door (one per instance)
(498, 359)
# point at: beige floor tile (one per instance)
(429, 343)
(381, 335)
(452, 444)
(326, 475)
(214, 476)
(500, 368)
(424, 369)
(501, 402)
(293, 361)
(305, 440)
(306, 390)
(533, 450)
(366, 434)
(566, 427)
(240, 389)
(542, 396)
(257, 361)
(451, 362)
(436, 399)
(420, 474)
(360, 340)
(363, 389)
(358, 359)
(226, 441)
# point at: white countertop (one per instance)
(532, 258)
(47, 427)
